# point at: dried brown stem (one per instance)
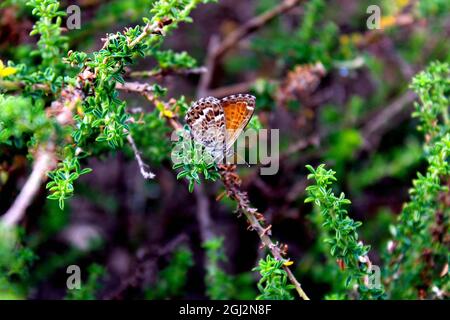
(42, 164)
(217, 51)
(166, 72)
(232, 89)
(206, 78)
(62, 110)
(387, 117)
(203, 214)
(232, 184)
(139, 87)
(252, 25)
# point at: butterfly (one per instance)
(217, 123)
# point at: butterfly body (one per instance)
(216, 124)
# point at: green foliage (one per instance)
(326, 272)
(51, 45)
(149, 136)
(313, 41)
(15, 260)
(193, 160)
(21, 117)
(100, 118)
(433, 88)
(433, 8)
(176, 11)
(102, 115)
(62, 179)
(342, 230)
(174, 60)
(411, 235)
(273, 284)
(89, 289)
(395, 164)
(173, 278)
(110, 13)
(219, 285)
(37, 86)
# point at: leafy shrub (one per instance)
(80, 111)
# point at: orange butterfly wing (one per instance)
(238, 110)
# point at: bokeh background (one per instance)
(337, 91)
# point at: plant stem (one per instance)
(42, 164)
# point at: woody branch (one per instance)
(62, 109)
(232, 183)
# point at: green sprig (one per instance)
(342, 232)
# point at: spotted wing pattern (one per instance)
(207, 122)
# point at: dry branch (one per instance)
(252, 25)
(62, 109)
(231, 89)
(216, 51)
(232, 184)
(206, 78)
(203, 214)
(42, 164)
(387, 118)
(167, 72)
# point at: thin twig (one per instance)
(166, 72)
(142, 165)
(135, 87)
(210, 61)
(203, 214)
(376, 125)
(62, 109)
(216, 50)
(146, 91)
(231, 89)
(232, 184)
(156, 28)
(252, 25)
(145, 264)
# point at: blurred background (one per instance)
(337, 91)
